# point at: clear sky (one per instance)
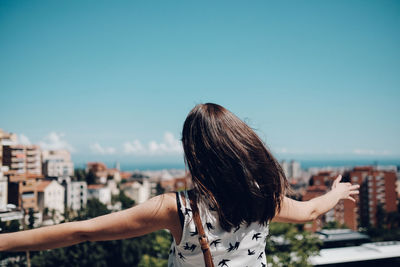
(114, 80)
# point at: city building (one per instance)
(138, 191)
(15, 158)
(22, 159)
(291, 169)
(102, 173)
(78, 195)
(3, 188)
(57, 163)
(100, 192)
(177, 184)
(345, 212)
(377, 193)
(51, 196)
(75, 192)
(6, 139)
(22, 190)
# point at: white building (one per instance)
(291, 169)
(295, 169)
(51, 196)
(101, 192)
(75, 192)
(78, 195)
(139, 192)
(3, 188)
(57, 163)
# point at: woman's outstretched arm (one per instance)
(157, 213)
(304, 211)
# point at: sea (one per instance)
(305, 164)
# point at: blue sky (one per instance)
(114, 80)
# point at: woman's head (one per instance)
(231, 167)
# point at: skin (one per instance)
(160, 212)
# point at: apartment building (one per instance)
(78, 195)
(292, 169)
(6, 139)
(101, 192)
(22, 190)
(377, 192)
(22, 159)
(3, 188)
(57, 163)
(51, 196)
(138, 191)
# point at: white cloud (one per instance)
(55, 141)
(133, 147)
(169, 145)
(371, 152)
(98, 149)
(23, 140)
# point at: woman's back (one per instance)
(242, 246)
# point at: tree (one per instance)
(31, 218)
(297, 247)
(91, 177)
(80, 174)
(126, 202)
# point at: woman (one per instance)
(239, 188)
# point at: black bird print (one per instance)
(172, 251)
(251, 252)
(262, 264)
(236, 229)
(256, 236)
(209, 226)
(192, 247)
(260, 256)
(194, 233)
(233, 247)
(223, 263)
(181, 256)
(215, 242)
(187, 211)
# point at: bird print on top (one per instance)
(223, 263)
(233, 247)
(191, 248)
(181, 256)
(256, 236)
(237, 229)
(251, 252)
(262, 264)
(260, 256)
(209, 226)
(215, 242)
(195, 232)
(187, 211)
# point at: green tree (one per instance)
(293, 246)
(126, 202)
(334, 225)
(31, 218)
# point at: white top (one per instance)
(244, 246)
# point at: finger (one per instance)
(354, 192)
(337, 180)
(354, 186)
(352, 199)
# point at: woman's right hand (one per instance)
(345, 190)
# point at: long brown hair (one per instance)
(231, 167)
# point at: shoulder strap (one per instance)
(205, 247)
